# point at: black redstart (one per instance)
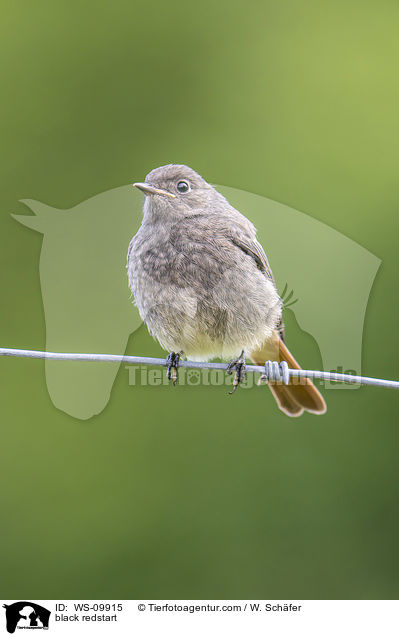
(203, 284)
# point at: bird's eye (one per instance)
(183, 186)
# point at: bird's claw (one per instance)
(172, 365)
(239, 366)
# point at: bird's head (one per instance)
(176, 190)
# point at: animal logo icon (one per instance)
(87, 305)
(26, 614)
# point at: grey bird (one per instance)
(203, 285)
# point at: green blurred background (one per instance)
(186, 493)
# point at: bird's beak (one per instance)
(148, 189)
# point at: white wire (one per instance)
(272, 371)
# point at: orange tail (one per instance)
(300, 394)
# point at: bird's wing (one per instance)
(253, 248)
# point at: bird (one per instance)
(203, 285)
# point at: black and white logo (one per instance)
(26, 615)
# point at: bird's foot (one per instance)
(239, 366)
(172, 364)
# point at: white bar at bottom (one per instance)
(199, 617)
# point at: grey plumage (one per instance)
(200, 278)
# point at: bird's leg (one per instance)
(172, 364)
(239, 365)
